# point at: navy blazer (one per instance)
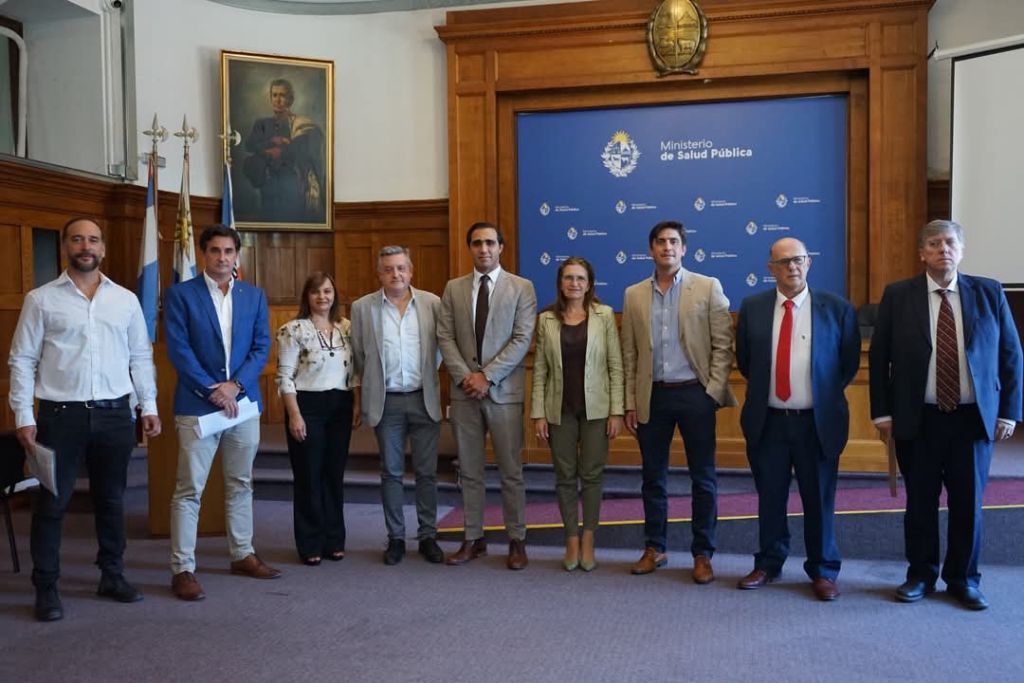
(196, 347)
(901, 350)
(835, 357)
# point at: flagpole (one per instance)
(158, 134)
(189, 135)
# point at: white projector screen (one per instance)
(987, 168)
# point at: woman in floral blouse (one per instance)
(314, 379)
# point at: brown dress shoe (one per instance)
(649, 561)
(186, 586)
(254, 567)
(469, 550)
(517, 555)
(702, 571)
(754, 580)
(825, 589)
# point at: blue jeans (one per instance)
(693, 411)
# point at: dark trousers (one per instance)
(104, 438)
(318, 466)
(789, 443)
(693, 411)
(951, 450)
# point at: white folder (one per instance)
(214, 423)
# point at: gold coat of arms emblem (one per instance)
(677, 34)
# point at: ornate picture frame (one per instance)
(282, 172)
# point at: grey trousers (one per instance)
(472, 419)
(579, 452)
(405, 415)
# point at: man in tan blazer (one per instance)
(394, 344)
(677, 354)
(484, 331)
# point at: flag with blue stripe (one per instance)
(227, 217)
(149, 273)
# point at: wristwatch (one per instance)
(241, 389)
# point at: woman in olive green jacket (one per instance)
(577, 403)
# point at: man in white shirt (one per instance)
(218, 339)
(798, 350)
(81, 347)
(394, 342)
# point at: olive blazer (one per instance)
(603, 383)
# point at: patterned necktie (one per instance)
(782, 388)
(947, 358)
(483, 305)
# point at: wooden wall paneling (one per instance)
(592, 55)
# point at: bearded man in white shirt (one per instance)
(81, 347)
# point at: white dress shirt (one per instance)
(305, 362)
(400, 336)
(493, 276)
(802, 395)
(934, 303)
(70, 348)
(225, 309)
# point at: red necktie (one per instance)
(782, 389)
(947, 358)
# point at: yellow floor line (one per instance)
(630, 522)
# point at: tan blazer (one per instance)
(705, 333)
(602, 385)
(368, 352)
(510, 322)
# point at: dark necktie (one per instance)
(947, 358)
(483, 305)
(782, 389)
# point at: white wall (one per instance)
(955, 23)
(390, 134)
(6, 119)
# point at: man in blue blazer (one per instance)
(209, 319)
(798, 350)
(946, 375)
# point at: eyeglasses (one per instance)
(791, 261)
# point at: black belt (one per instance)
(404, 393)
(676, 385)
(791, 412)
(101, 404)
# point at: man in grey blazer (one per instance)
(394, 343)
(484, 331)
(677, 355)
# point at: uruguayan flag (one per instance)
(149, 273)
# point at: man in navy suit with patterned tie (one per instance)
(946, 375)
(798, 350)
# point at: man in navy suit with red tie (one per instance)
(946, 375)
(798, 350)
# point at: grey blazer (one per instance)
(510, 323)
(368, 352)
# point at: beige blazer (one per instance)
(602, 383)
(368, 352)
(510, 322)
(705, 333)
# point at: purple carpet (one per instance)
(998, 493)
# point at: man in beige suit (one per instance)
(484, 331)
(394, 345)
(677, 354)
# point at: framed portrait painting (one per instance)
(282, 170)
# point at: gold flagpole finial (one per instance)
(188, 134)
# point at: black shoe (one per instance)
(117, 588)
(968, 596)
(395, 551)
(48, 607)
(431, 550)
(913, 590)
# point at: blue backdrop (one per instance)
(738, 175)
